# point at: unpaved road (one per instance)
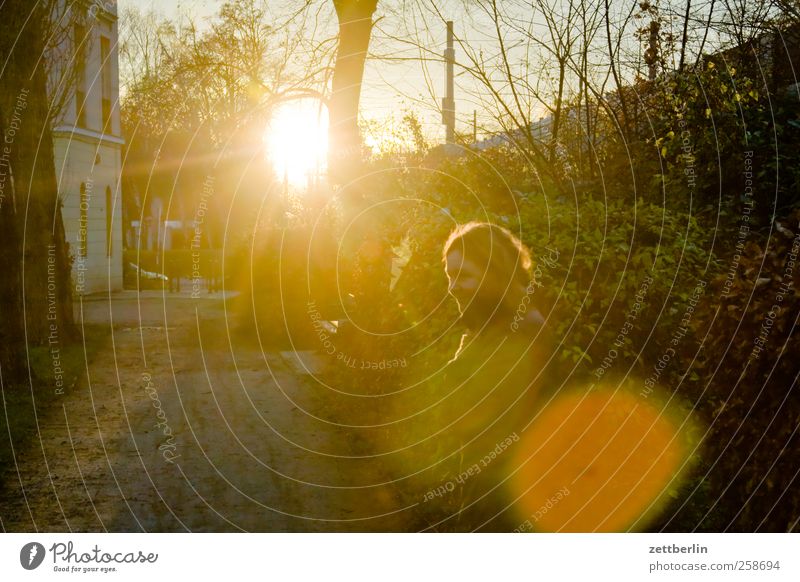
(176, 426)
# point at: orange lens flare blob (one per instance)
(600, 461)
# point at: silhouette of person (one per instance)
(488, 269)
(507, 454)
(476, 408)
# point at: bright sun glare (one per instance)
(297, 141)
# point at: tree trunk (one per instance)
(11, 322)
(355, 29)
(557, 117)
(685, 34)
(43, 265)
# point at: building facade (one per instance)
(88, 144)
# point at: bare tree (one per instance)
(787, 11)
(355, 29)
(744, 20)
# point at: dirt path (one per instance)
(177, 427)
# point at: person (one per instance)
(533, 457)
(489, 275)
(485, 396)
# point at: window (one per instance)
(80, 75)
(105, 69)
(109, 220)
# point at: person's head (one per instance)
(488, 270)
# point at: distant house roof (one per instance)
(773, 55)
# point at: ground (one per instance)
(182, 424)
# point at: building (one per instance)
(88, 144)
(540, 131)
(771, 56)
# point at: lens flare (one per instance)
(603, 460)
(297, 141)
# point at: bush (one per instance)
(743, 383)
(614, 277)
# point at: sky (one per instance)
(172, 7)
(388, 90)
(401, 83)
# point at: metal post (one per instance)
(449, 102)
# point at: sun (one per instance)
(297, 141)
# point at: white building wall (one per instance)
(75, 161)
(91, 155)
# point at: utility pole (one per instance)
(449, 101)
